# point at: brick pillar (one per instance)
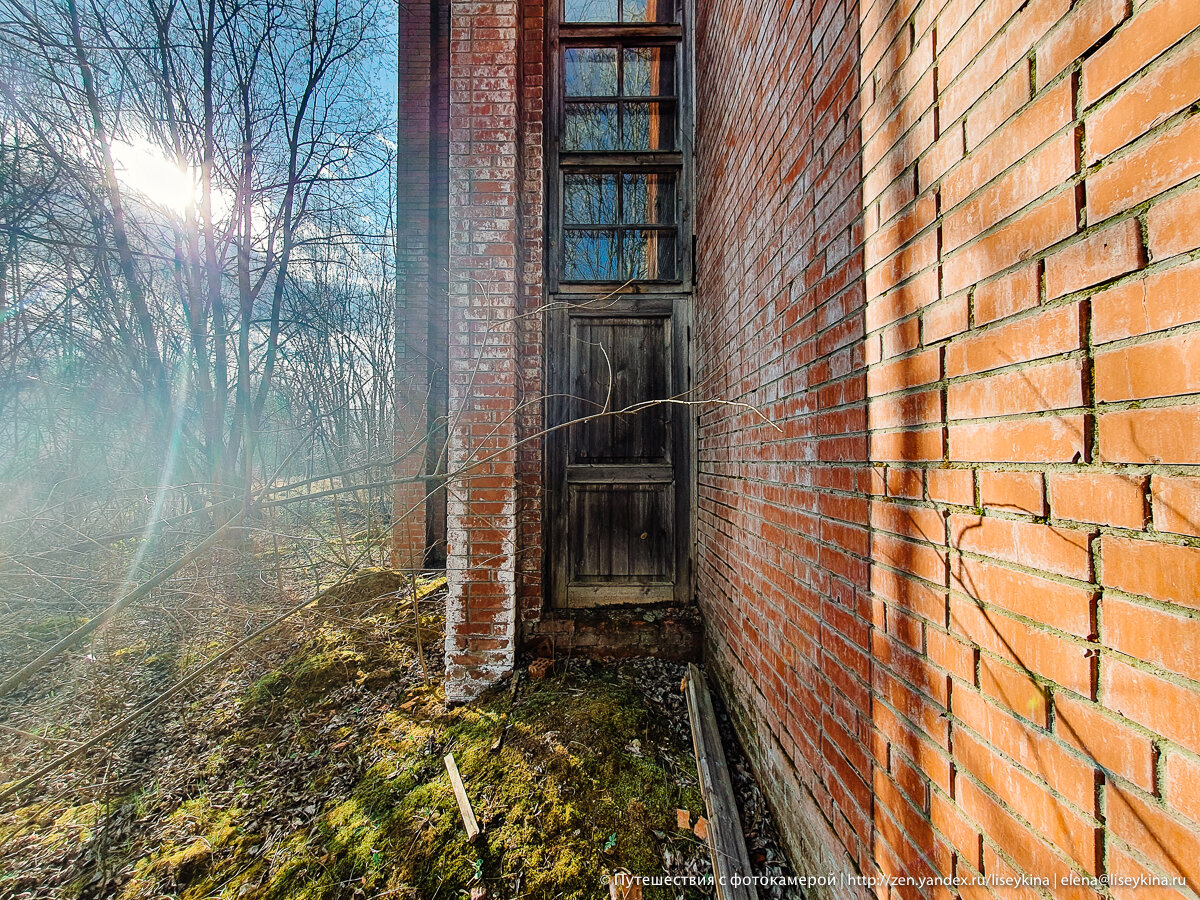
(483, 294)
(529, 329)
(413, 286)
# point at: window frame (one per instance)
(619, 227)
(559, 163)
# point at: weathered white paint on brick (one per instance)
(484, 397)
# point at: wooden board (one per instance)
(460, 796)
(616, 594)
(726, 843)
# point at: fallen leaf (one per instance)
(683, 819)
(701, 828)
(624, 888)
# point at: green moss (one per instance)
(306, 677)
(184, 863)
(75, 822)
(583, 784)
(562, 790)
(563, 801)
(270, 687)
(320, 671)
(55, 626)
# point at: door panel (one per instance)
(624, 532)
(620, 364)
(617, 521)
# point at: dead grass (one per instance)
(322, 777)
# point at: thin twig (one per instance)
(119, 726)
(17, 679)
(412, 583)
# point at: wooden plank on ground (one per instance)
(726, 843)
(460, 795)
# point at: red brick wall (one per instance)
(495, 287)
(416, 293)
(529, 324)
(481, 494)
(782, 539)
(949, 248)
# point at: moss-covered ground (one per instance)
(324, 778)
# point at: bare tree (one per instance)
(267, 116)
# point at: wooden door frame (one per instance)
(675, 308)
(673, 300)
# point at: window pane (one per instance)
(590, 71)
(590, 256)
(649, 72)
(648, 199)
(590, 11)
(649, 11)
(590, 199)
(590, 126)
(649, 126)
(648, 255)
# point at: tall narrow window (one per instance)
(619, 142)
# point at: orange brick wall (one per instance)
(783, 548)
(949, 248)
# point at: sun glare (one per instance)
(148, 171)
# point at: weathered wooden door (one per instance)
(619, 281)
(618, 516)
